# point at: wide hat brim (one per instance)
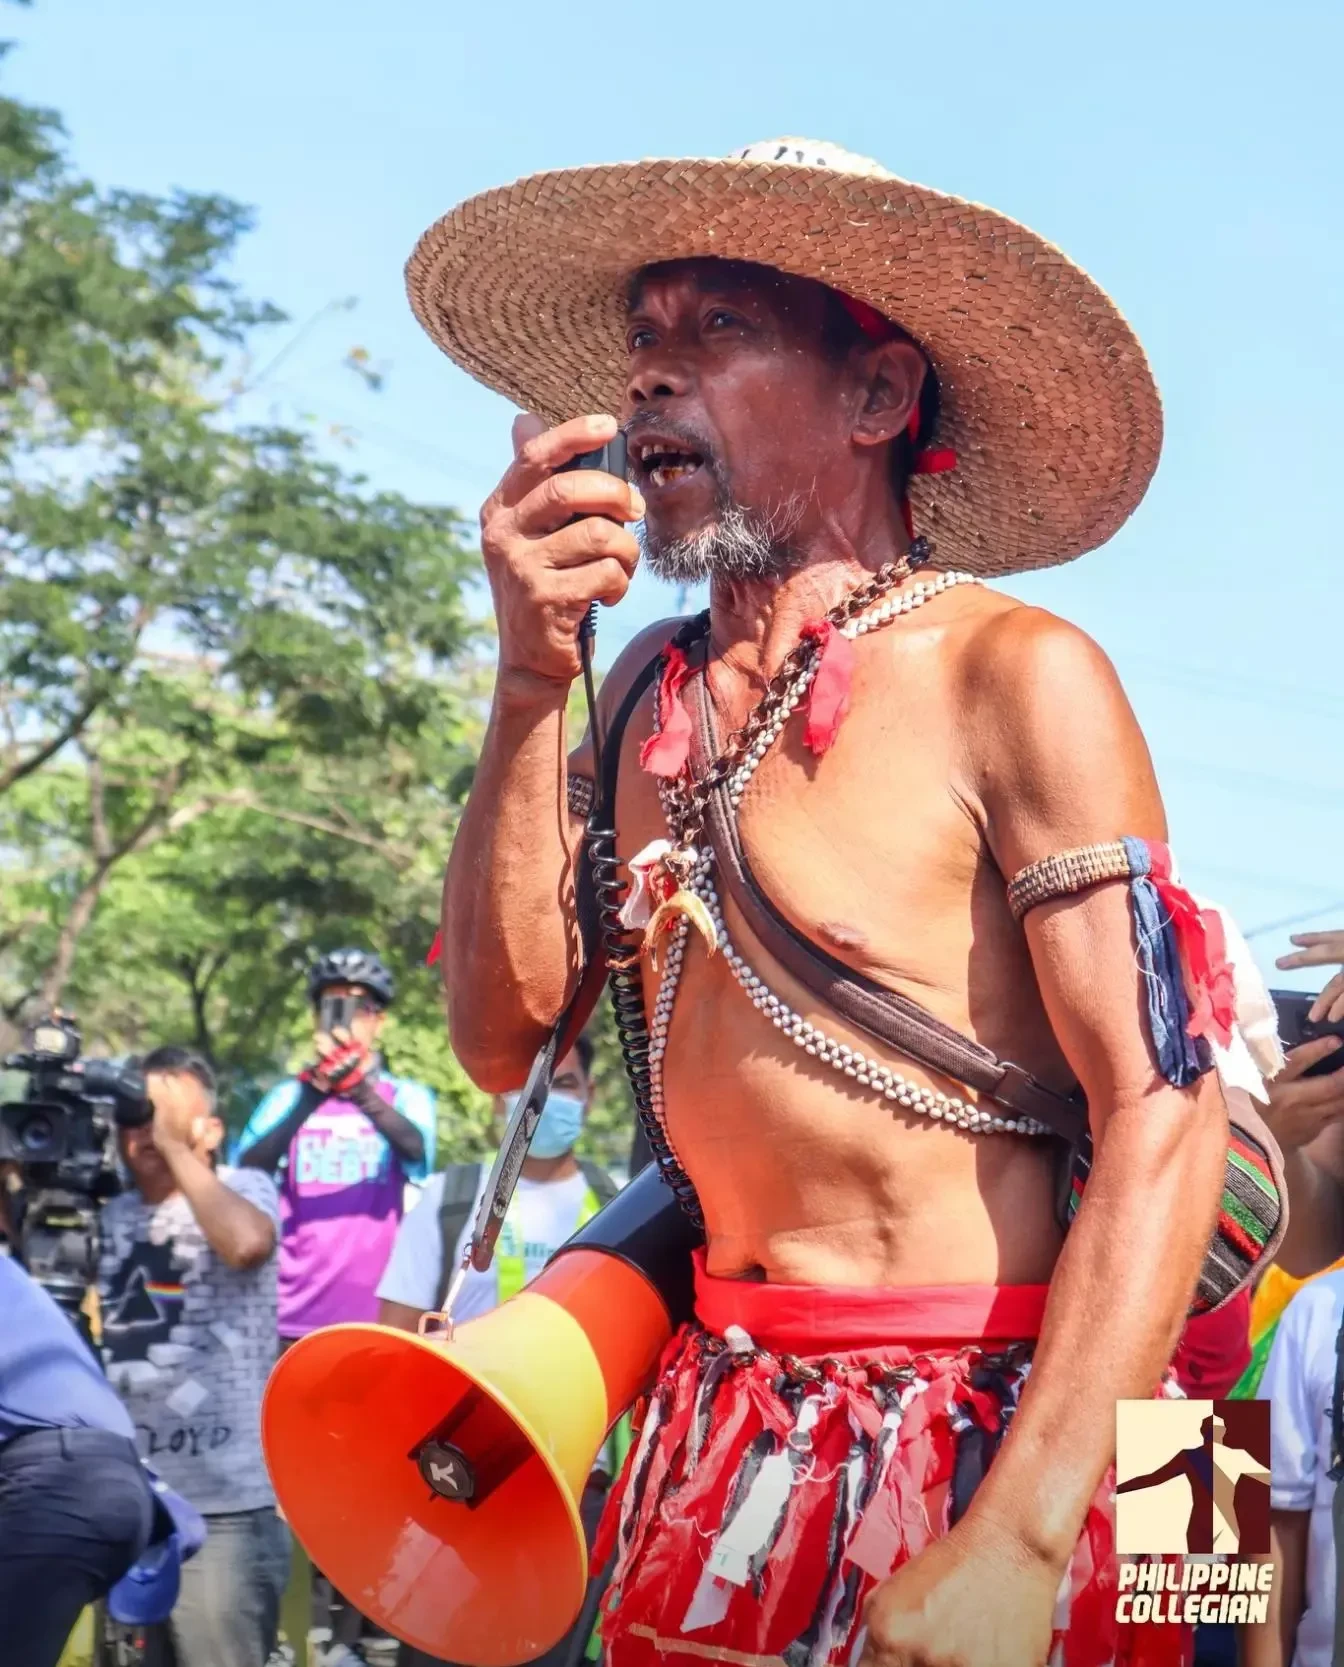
(1047, 396)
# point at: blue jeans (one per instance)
(228, 1611)
(75, 1512)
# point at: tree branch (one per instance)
(242, 800)
(153, 825)
(35, 760)
(99, 842)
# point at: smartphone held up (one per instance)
(1296, 1026)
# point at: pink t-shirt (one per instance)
(341, 1193)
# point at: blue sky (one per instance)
(1188, 155)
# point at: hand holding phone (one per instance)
(1297, 1029)
(555, 538)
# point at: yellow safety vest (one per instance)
(509, 1258)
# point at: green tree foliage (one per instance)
(241, 693)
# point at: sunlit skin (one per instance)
(982, 736)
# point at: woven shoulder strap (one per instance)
(891, 1018)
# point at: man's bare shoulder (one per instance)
(626, 667)
(1018, 655)
(633, 658)
(1033, 676)
(1047, 730)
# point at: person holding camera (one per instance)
(187, 1289)
(345, 1137)
(1306, 1113)
(76, 1506)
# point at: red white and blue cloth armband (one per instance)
(1182, 945)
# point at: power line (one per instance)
(1294, 920)
(1217, 683)
(1331, 798)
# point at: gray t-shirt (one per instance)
(188, 1343)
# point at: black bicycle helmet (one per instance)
(352, 966)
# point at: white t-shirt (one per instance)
(188, 1343)
(1299, 1382)
(542, 1216)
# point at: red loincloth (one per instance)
(800, 1444)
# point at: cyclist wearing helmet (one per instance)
(347, 1137)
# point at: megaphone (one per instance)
(435, 1481)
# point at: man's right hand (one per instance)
(1300, 1107)
(342, 1063)
(544, 572)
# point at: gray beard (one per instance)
(738, 544)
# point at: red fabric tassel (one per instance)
(435, 950)
(869, 320)
(665, 753)
(1210, 981)
(828, 700)
(937, 460)
(683, 1507)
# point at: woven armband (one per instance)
(1067, 874)
(1188, 981)
(580, 793)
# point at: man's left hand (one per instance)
(178, 1112)
(975, 1598)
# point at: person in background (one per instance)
(1300, 1383)
(557, 1192)
(345, 1137)
(1306, 1114)
(187, 1291)
(76, 1508)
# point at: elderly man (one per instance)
(812, 362)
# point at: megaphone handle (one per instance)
(445, 1314)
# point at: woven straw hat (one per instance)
(1047, 397)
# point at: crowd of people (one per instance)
(960, 1075)
(327, 1210)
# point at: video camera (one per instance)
(61, 1137)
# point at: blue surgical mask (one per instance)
(559, 1128)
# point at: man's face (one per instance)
(368, 1016)
(740, 421)
(196, 1124)
(570, 1078)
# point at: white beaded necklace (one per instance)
(814, 1042)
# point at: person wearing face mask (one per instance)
(557, 1193)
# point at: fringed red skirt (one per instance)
(799, 1445)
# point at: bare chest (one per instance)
(870, 848)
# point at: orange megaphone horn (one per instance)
(435, 1480)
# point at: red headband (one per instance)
(868, 319)
(932, 460)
